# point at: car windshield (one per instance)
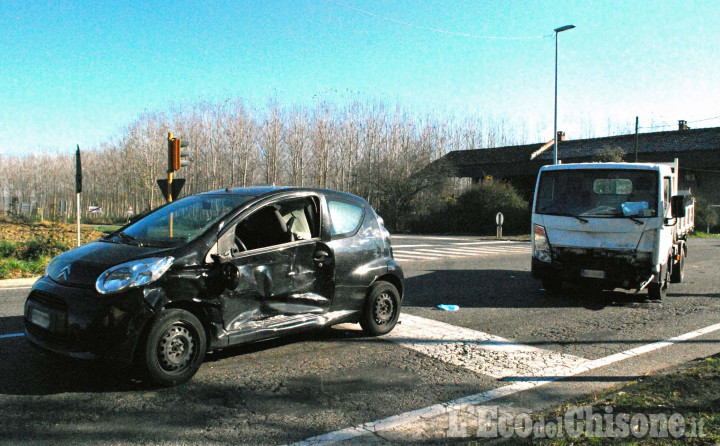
(181, 221)
(598, 193)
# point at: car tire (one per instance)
(173, 349)
(382, 309)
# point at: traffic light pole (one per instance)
(170, 171)
(170, 179)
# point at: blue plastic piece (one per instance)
(448, 307)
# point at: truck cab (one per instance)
(609, 225)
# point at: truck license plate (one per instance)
(41, 318)
(592, 273)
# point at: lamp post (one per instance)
(557, 31)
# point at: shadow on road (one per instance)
(505, 289)
(26, 370)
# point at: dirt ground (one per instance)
(21, 232)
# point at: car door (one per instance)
(275, 263)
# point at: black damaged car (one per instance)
(218, 269)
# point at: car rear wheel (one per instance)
(174, 348)
(382, 309)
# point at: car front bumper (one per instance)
(81, 323)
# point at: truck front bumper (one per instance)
(610, 269)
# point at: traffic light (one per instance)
(177, 158)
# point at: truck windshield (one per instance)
(181, 221)
(598, 193)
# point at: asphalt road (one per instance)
(288, 390)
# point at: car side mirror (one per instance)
(677, 206)
(231, 276)
(228, 271)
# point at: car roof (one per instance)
(267, 191)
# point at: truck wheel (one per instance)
(173, 349)
(678, 272)
(382, 309)
(657, 290)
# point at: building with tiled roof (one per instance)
(698, 151)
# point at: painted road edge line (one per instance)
(484, 397)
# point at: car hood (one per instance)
(83, 265)
(602, 233)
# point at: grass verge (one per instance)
(691, 394)
(700, 234)
(26, 248)
(15, 268)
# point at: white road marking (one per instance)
(431, 252)
(524, 383)
(437, 252)
(425, 237)
(477, 351)
(15, 288)
(456, 252)
(456, 244)
(417, 254)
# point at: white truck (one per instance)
(610, 225)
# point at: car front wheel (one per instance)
(174, 348)
(382, 309)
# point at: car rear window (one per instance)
(345, 218)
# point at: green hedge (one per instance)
(474, 212)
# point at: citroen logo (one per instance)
(64, 273)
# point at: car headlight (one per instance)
(132, 274)
(541, 244)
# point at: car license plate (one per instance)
(41, 318)
(592, 273)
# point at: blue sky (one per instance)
(77, 72)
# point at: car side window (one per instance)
(345, 218)
(278, 223)
(301, 218)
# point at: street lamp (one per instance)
(555, 137)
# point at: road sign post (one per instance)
(78, 189)
(499, 219)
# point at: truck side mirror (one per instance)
(677, 206)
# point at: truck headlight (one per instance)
(132, 274)
(541, 246)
